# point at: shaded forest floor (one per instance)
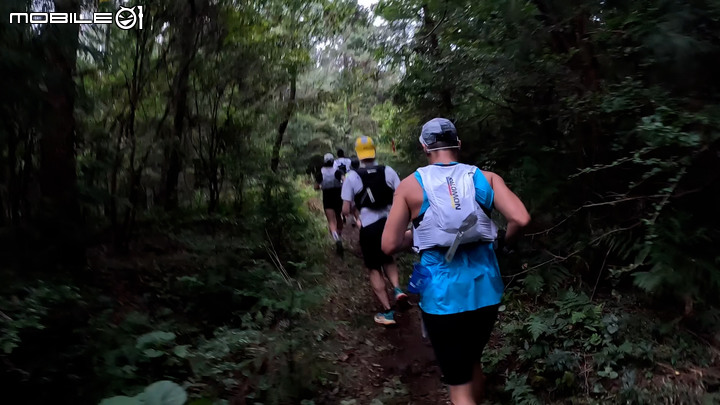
(200, 303)
(379, 365)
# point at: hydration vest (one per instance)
(376, 194)
(450, 192)
(329, 180)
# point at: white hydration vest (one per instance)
(328, 178)
(450, 191)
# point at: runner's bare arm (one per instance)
(346, 208)
(396, 237)
(509, 205)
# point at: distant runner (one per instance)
(371, 187)
(331, 186)
(342, 163)
(449, 205)
(354, 165)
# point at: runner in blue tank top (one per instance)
(449, 205)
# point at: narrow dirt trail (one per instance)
(377, 365)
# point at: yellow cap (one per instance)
(365, 148)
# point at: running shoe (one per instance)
(339, 248)
(385, 318)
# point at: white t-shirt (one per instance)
(342, 161)
(353, 186)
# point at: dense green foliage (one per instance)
(157, 241)
(179, 246)
(603, 116)
(217, 306)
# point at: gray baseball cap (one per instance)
(439, 130)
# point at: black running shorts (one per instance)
(458, 341)
(370, 245)
(332, 199)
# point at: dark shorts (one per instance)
(370, 245)
(458, 341)
(332, 200)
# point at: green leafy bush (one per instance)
(569, 346)
(158, 393)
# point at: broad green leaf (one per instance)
(164, 393)
(154, 338)
(181, 351)
(153, 353)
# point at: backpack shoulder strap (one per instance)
(365, 171)
(362, 172)
(381, 173)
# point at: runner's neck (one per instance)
(443, 158)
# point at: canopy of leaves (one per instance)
(602, 116)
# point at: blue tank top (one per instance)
(472, 279)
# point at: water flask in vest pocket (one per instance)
(419, 279)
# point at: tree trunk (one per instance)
(14, 178)
(58, 177)
(134, 88)
(25, 177)
(275, 162)
(173, 152)
(6, 170)
(113, 206)
(213, 189)
(430, 28)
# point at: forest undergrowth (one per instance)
(215, 306)
(560, 345)
(255, 308)
(160, 244)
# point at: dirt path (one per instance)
(377, 365)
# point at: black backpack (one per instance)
(376, 193)
(341, 171)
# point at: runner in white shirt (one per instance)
(330, 184)
(341, 162)
(371, 187)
